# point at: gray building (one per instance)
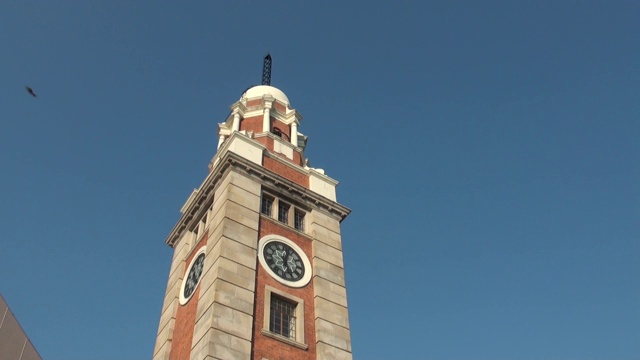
(14, 343)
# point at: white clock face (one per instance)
(193, 276)
(284, 260)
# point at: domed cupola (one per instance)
(264, 113)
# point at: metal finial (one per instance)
(266, 70)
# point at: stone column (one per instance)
(266, 120)
(333, 337)
(224, 317)
(236, 122)
(294, 133)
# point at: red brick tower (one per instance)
(257, 271)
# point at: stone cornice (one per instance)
(233, 162)
(278, 139)
(238, 107)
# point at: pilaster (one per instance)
(224, 315)
(333, 337)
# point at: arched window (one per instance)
(279, 133)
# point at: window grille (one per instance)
(267, 205)
(298, 220)
(283, 212)
(282, 318)
(277, 209)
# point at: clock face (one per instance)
(284, 261)
(192, 278)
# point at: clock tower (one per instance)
(257, 270)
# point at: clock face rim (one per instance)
(183, 299)
(266, 240)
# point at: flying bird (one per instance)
(30, 91)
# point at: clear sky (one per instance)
(489, 152)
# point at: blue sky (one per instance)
(489, 152)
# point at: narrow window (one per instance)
(199, 228)
(283, 317)
(298, 220)
(283, 212)
(267, 205)
(203, 224)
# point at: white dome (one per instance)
(260, 90)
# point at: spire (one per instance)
(266, 70)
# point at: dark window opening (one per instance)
(279, 133)
(298, 220)
(267, 205)
(282, 319)
(283, 212)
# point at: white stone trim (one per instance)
(266, 118)
(247, 148)
(280, 148)
(279, 140)
(184, 300)
(307, 264)
(322, 184)
(192, 196)
(236, 121)
(226, 161)
(294, 134)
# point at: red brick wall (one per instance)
(276, 104)
(266, 141)
(255, 102)
(280, 107)
(297, 158)
(186, 318)
(285, 171)
(252, 124)
(273, 349)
